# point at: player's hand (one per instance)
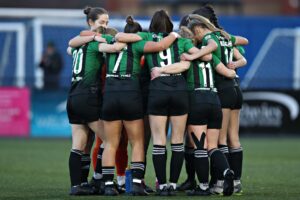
(155, 72)
(185, 57)
(99, 39)
(231, 65)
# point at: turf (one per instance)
(38, 169)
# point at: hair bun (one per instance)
(129, 20)
(87, 10)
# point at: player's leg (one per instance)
(178, 124)
(135, 133)
(198, 135)
(235, 149)
(158, 132)
(190, 182)
(122, 161)
(79, 141)
(112, 131)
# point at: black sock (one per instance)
(99, 161)
(202, 169)
(137, 170)
(159, 157)
(75, 167)
(108, 174)
(218, 162)
(224, 149)
(189, 163)
(85, 167)
(145, 164)
(236, 161)
(176, 161)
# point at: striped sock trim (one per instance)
(78, 152)
(108, 170)
(99, 157)
(200, 153)
(137, 165)
(235, 150)
(224, 149)
(158, 150)
(177, 147)
(85, 157)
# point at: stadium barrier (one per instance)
(273, 111)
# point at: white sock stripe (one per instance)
(235, 149)
(158, 149)
(201, 151)
(154, 151)
(137, 165)
(141, 168)
(224, 150)
(159, 153)
(177, 149)
(85, 159)
(201, 156)
(77, 152)
(99, 157)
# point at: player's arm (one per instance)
(85, 37)
(223, 70)
(128, 37)
(170, 69)
(240, 60)
(111, 48)
(163, 44)
(239, 40)
(209, 48)
(206, 57)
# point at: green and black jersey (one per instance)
(164, 58)
(224, 52)
(168, 56)
(127, 62)
(201, 74)
(124, 65)
(87, 64)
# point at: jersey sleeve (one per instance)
(233, 39)
(144, 35)
(188, 44)
(206, 38)
(215, 61)
(139, 46)
(241, 50)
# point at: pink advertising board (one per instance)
(14, 112)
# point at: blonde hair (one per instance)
(197, 19)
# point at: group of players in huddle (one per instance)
(127, 86)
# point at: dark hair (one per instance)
(93, 13)
(132, 26)
(184, 21)
(161, 22)
(208, 12)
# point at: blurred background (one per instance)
(32, 99)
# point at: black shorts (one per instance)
(122, 105)
(168, 103)
(231, 97)
(83, 108)
(204, 113)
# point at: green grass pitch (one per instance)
(38, 169)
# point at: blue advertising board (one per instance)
(49, 117)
